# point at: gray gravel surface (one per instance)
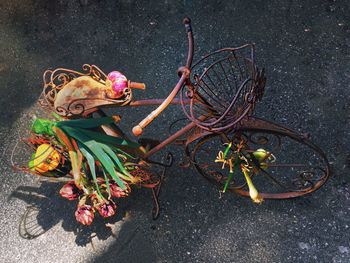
(304, 46)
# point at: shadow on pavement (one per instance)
(46, 208)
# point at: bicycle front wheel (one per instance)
(300, 166)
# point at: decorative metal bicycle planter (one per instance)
(224, 142)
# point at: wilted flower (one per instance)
(70, 191)
(84, 214)
(116, 191)
(106, 209)
(221, 159)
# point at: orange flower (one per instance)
(46, 158)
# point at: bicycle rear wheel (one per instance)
(300, 167)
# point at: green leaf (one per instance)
(107, 139)
(72, 132)
(99, 153)
(230, 176)
(229, 179)
(106, 162)
(56, 116)
(86, 123)
(228, 147)
(91, 161)
(115, 158)
(98, 136)
(43, 126)
(107, 184)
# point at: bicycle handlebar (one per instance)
(183, 72)
(136, 85)
(187, 23)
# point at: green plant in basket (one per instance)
(101, 166)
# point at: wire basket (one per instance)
(224, 88)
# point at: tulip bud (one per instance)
(107, 209)
(70, 191)
(84, 214)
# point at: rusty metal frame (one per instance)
(199, 95)
(257, 125)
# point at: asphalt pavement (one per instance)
(305, 48)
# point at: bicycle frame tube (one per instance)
(170, 139)
(184, 73)
(150, 102)
(138, 129)
(114, 129)
(173, 137)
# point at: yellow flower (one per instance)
(46, 158)
(253, 193)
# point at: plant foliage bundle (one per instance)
(98, 166)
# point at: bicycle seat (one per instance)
(72, 93)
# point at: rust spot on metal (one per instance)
(93, 92)
(81, 83)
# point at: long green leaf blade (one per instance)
(86, 123)
(230, 176)
(91, 161)
(106, 161)
(104, 138)
(107, 184)
(95, 148)
(229, 179)
(97, 136)
(115, 158)
(228, 147)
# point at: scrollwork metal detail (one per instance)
(56, 80)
